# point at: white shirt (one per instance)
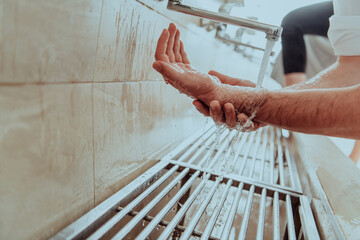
(344, 31)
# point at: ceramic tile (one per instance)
(131, 120)
(46, 164)
(48, 41)
(127, 40)
(166, 117)
(117, 149)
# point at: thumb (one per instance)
(166, 69)
(225, 79)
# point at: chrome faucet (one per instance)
(272, 32)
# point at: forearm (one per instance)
(344, 73)
(332, 112)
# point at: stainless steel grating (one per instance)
(218, 184)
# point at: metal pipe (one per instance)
(168, 230)
(271, 31)
(238, 43)
(246, 155)
(265, 141)
(128, 227)
(212, 149)
(260, 228)
(237, 178)
(280, 157)
(307, 220)
(150, 227)
(245, 220)
(210, 142)
(276, 216)
(114, 220)
(239, 149)
(234, 206)
(272, 153)
(221, 149)
(229, 167)
(201, 140)
(290, 219)
(255, 152)
(214, 216)
(196, 217)
(165, 223)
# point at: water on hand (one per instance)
(265, 60)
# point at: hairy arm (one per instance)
(344, 73)
(332, 112)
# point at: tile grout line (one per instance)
(93, 137)
(92, 100)
(9, 84)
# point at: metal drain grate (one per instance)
(262, 156)
(218, 184)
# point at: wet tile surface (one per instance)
(48, 41)
(46, 170)
(131, 120)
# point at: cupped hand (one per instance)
(173, 64)
(227, 113)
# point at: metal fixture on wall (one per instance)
(219, 21)
(271, 31)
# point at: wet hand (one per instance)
(227, 113)
(173, 64)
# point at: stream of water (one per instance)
(265, 61)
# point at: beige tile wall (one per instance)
(81, 107)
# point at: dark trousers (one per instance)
(312, 19)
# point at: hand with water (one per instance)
(173, 63)
(227, 114)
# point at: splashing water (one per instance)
(265, 60)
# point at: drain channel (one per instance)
(217, 184)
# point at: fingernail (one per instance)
(157, 66)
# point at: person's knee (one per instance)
(291, 23)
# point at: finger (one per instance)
(230, 80)
(202, 108)
(183, 54)
(216, 112)
(160, 53)
(169, 72)
(247, 125)
(223, 78)
(170, 44)
(177, 47)
(230, 115)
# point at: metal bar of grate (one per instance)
(290, 219)
(245, 220)
(166, 223)
(114, 220)
(265, 142)
(260, 229)
(226, 176)
(280, 157)
(214, 216)
(124, 231)
(276, 216)
(231, 217)
(149, 228)
(195, 218)
(166, 233)
(255, 153)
